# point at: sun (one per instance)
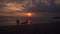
(29, 14)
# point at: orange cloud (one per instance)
(14, 6)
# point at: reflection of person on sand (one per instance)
(17, 22)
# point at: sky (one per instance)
(19, 7)
(44, 10)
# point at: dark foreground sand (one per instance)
(43, 28)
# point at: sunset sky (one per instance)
(40, 11)
(19, 7)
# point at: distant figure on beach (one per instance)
(17, 22)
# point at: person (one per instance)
(17, 22)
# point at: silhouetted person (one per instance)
(17, 22)
(28, 21)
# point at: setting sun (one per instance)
(29, 14)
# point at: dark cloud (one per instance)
(2, 5)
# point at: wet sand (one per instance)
(43, 28)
